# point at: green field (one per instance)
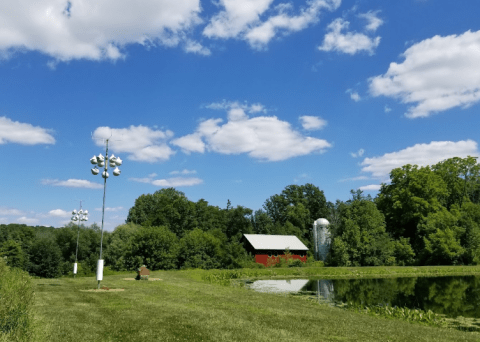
(182, 307)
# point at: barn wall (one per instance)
(262, 258)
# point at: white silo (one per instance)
(321, 236)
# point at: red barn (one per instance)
(274, 246)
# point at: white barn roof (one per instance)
(275, 242)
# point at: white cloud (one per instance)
(419, 154)
(371, 187)
(359, 153)
(183, 172)
(354, 96)
(10, 211)
(140, 142)
(91, 29)
(235, 105)
(196, 47)
(23, 133)
(73, 183)
(353, 179)
(28, 221)
(177, 182)
(387, 109)
(312, 123)
(243, 20)
(374, 22)
(437, 74)
(348, 42)
(264, 137)
(108, 209)
(171, 182)
(58, 213)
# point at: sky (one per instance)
(227, 99)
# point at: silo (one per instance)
(321, 235)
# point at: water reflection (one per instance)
(452, 296)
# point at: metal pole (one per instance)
(103, 207)
(78, 235)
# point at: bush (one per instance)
(16, 299)
(296, 263)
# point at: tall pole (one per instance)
(80, 216)
(104, 162)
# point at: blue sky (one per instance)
(227, 99)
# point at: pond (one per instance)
(451, 296)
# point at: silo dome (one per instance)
(322, 222)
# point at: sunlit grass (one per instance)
(181, 307)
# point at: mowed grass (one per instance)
(181, 307)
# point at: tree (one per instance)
(200, 249)
(45, 258)
(166, 207)
(413, 194)
(155, 247)
(361, 238)
(116, 253)
(14, 254)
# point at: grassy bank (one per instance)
(182, 307)
(337, 272)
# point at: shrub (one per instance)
(16, 299)
(296, 263)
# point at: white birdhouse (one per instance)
(117, 172)
(93, 160)
(100, 158)
(74, 212)
(95, 171)
(118, 161)
(85, 212)
(105, 174)
(101, 164)
(112, 157)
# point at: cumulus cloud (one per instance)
(359, 153)
(28, 221)
(108, 209)
(197, 48)
(373, 21)
(72, 183)
(91, 29)
(311, 123)
(353, 179)
(354, 96)
(59, 213)
(263, 137)
(23, 133)
(140, 142)
(184, 172)
(337, 39)
(177, 182)
(171, 182)
(257, 23)
(419, 154)
(10, 211)
(437, 74)
(387, 109)
(371, 187)
(228, 105)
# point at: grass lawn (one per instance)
(181, 307)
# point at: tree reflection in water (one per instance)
(452, 296)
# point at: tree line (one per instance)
(422, 216)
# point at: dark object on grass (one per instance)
(142, 273)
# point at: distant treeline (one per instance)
(423, 216)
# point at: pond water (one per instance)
(452, 296)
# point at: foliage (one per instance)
(45, 258)
(199, 249)
(156, 247)
(14, 254)
(361, 239)
(16, 300)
